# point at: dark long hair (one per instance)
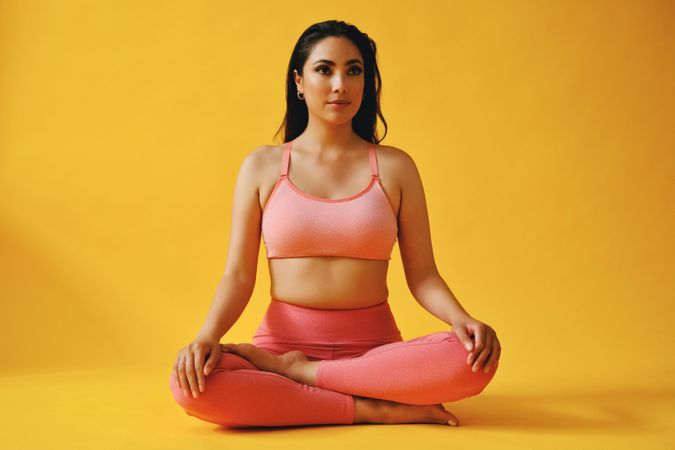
(364, 122)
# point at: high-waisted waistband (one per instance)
(326, 333)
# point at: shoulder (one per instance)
(396, 162)
(261, 157)
(260, 166)
(261, 153)
(253, 165)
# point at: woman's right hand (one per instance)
(190, 367)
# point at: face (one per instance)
(333, 70)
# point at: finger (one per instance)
(199, 368)
(494, 356)
(484, 354)
(464, 337)
(175, 373)
(479, 338)
(182, 376)
(481, 360)
(214, 356)
(190, 371)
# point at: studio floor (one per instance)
(132, 408)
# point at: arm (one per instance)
(422, 276)
(424, 281)
(236, 285)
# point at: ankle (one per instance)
(367, 410)
(302, 371)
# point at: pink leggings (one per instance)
(362, 354)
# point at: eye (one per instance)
(358, 69)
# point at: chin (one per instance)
(338, 120)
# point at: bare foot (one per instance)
(373, 410)
(294, 364)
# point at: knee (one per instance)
(473, 383)
(212, 404)
(176, 389)
(227, 361)
(482, 379)
(208, 406)
(184, 399)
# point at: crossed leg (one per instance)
(239, 394)
(257, 387)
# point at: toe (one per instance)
(446, 415)
(451, 419)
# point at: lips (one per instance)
(339, 102)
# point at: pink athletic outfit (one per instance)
(294, 224)
(361, 351)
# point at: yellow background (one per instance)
(544, 134)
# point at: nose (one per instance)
(338, 82)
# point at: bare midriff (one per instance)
(329, 282)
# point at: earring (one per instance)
(303, 95)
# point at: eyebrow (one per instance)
(331, 63)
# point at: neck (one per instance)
(322, 138)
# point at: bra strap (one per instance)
(372, 155)
(285, 160)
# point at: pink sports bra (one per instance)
(295, 224)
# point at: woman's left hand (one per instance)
(486, 349)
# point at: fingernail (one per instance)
(468, 347)
(487, 368)
(185, 392)
(452, 423)
(475, 368)
(201, 388)
(195, 394)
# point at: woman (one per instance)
(328, 350)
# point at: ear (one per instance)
(297, 78)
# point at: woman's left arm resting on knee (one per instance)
(423, 278)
